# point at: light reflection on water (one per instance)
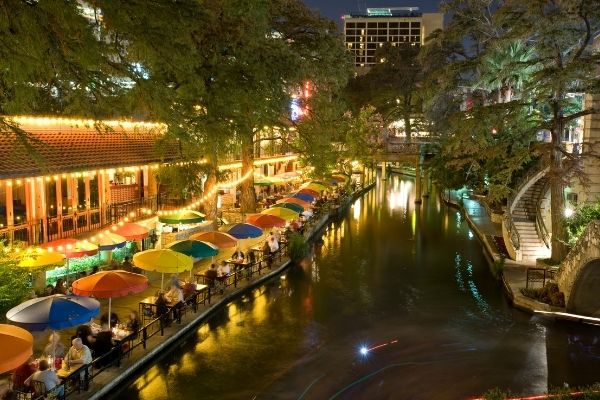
(377, 277)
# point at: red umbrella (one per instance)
(266, 221)
(71, 248)
(131, 231)
(109, 284)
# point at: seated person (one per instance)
(84, 332)
(21, 374)
(238, 255)
(133, 322)
(162, 308)
(49, 291)
(103, 345)
(175, 298)
(60, 287)
(54, 348)
(78, 354)
(114, 319)
(48, 377)
(211, 275)
(273, 245)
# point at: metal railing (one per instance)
(540, 225)
(509, 223)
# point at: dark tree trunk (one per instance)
(210, 191)
(407, 115)
(247, 198)
(557, 185)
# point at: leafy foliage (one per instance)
(578, 222)
(298, 247)
(15, 282)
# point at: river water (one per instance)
(407, 284)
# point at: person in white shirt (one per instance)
(78, 353)
(175, 297)
(273, 245)
(48, 377)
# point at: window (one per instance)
(372, 25)
(416, 25)
(404, 24)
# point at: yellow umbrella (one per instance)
(281, 212)
(39, 258)
(163, 261)
(314, 186)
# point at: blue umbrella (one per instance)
(245, 231)
(304, 196)
(194, 248)
(55, 312)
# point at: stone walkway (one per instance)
(514, 274)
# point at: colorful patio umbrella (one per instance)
(280, 212)
(131, 231)
(56, 312)
(304, 196)
(311, 192)
(17, 347)
(295, 200)
(267, 180)
(109, 284)
(317, 186)
(183, 217)
(71, 248)
(194, 248)
(109, 241)
(266, 221)
(339, 178)
(39, 258)
(245, 231)
(291, 206)
(220, 239)
(163, 261)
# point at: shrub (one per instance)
(297, 246)
(582, 216)
(496, 394)
(549, 294)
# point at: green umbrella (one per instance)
(183, 217)
(291, 206)
(194, 248)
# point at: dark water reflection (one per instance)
(408, 282)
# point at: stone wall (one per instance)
(584, 252)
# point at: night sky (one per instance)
(334, 9)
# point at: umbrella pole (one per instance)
(162, 281)
(109, 312)
(67, 280)
(53, 350)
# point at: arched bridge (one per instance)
(399, 149)
(579, 275)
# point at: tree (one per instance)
(391, 86)
(53, 63)
(560, 34)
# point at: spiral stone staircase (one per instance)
(524, 231)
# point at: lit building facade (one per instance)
(65, 177)
(364, 33)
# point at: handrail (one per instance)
(540, 225)
(509, 223)
(512, 230)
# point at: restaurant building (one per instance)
(64, 177)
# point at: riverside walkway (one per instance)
(514, 274)
(103, 379)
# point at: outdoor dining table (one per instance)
(149, 303)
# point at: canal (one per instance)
(396, 303)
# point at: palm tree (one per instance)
(505, 69)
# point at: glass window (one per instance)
(361, 25)
(416, 25)
(50, 191)
(80, 194)
(3, 210)
(94, 193)
(404, 24)
(372, 25)
(19, 204)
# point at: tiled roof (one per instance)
(58, 148)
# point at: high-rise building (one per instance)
(364, 33)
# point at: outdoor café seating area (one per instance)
(78, 335)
